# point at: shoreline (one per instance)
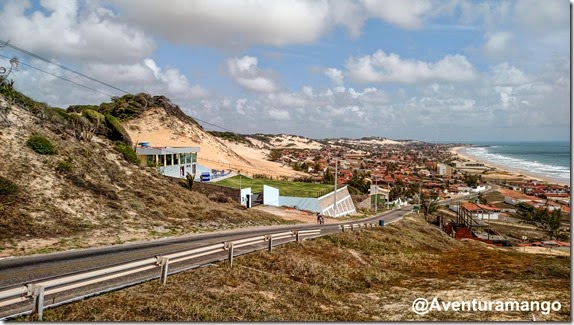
(508, 172)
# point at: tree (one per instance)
(328, 177)
(471, 180)
(358, 182)
(481, 199)
(543, 218)
(429, 204)
(188, 181)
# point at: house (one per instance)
(171, 161)
(481, 211)
(443, 169)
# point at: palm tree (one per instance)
(429, 204)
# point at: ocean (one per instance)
(547, 159)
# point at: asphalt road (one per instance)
(27, 269)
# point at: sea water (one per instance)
(549, 159)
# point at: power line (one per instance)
(217, 126)
(60, 77)
(59, 65)
(39, 57)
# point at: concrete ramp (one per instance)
(343, 207)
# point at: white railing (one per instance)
(36, 291)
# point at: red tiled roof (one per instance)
(468, 206)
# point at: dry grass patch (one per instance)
(325, 280)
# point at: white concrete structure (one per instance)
(246, 197)
(270, 196)
(343, 206)
(468, 189)
(324, 204)
(171, 161)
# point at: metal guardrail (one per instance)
(36, 291)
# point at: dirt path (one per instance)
(292, 214)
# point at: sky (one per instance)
(445, 70)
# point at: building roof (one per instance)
(165, 150)
(475, 207)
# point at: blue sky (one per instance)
(445, 70)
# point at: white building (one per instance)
(171, 161)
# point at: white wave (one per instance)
(521, 164)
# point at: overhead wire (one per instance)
(60, 77)
(39, 57)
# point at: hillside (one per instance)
(158, 125)
(87, 194)
(367, 275)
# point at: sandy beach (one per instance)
(505, 172)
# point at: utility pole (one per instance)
(376, 194)
(239, 172)
(335, 192)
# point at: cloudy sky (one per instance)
(445, 70)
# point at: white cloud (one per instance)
(66, 31)
(541, 17)
(407, 14)
(245, 72)
(231, 23)
(381, 67)
(506, 97)
(504, 74)
(335, 75)
(490, 13)
(279, 114)
(497, 44)
(348, 13)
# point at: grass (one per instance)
(367, 275)
(297, 189)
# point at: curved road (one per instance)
(21, 270)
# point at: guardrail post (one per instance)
(342, 228)
(352, 228)
(38, 296)
(270, 239)
(164, 263)
(297, 237)
(230, 256)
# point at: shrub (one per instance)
(65, 166)
(116, 130)
(7, 188)
(128, 153)
(41, 145)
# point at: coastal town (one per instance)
(477, 198)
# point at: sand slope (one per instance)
(160, 129)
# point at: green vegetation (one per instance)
(297, 189)
(358, 183)
(123, 108)
(65, 166)
(41, 145)
(187, 182)
(275, 154)
(7, 188)
(544, 219)
(429, 204)
(472, 180)
(127, 151)
(116, 130)
(230, 136)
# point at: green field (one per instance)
(298, 189)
